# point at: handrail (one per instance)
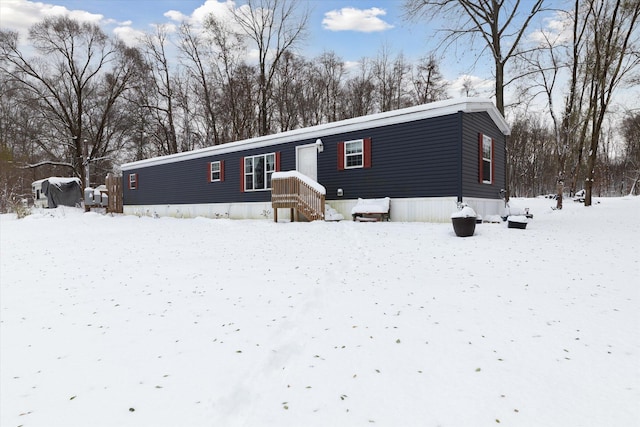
(296, 191)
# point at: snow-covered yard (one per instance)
(127, 321)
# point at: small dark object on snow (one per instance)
(464, 226)
(520, 225)
(131, 410)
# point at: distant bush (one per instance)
(20, 207)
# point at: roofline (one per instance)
(424, 111)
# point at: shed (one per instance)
(425, 158)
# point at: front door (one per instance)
(307, 160)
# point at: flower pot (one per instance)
(520, 225)
(517, 221)
(464, 226)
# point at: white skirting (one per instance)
(434, 209)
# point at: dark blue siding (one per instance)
(473, 125)
(422, 158)
(186, 182)
(415, 159)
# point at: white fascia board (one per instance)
(419, 112)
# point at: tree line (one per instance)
(73, 95)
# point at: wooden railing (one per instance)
(295, 191)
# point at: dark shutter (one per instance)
(493, 173)
(221, 170)
(242, 174)
(366, 148)
(480, 165)
(340, 156)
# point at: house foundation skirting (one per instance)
(486, 207)
(425, 209)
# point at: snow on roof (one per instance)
(56, 180)
(424, 111)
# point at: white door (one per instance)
(307, 160)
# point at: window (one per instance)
(258, 170)
(486, 159)
(354, 154)
(216, 171)
(133, 181)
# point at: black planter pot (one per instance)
(520, 225)
(464, 226)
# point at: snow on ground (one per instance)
(128, 321)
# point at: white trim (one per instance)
(346, 155)
(211, 171)
(133, 181)
(434, 109)
(253, 174)
(486, 139)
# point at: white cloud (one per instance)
(352, 19)
(217, 8)
(351, 65)
(557, 30)
(476, 86)
(175, 15)
(19, 15)
(129, 35)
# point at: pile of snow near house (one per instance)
(140, 321)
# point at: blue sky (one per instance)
(353, 29)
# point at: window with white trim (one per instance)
(487, 159)
(133, 181)
(258, 171)
(354, 154)
(214, 172)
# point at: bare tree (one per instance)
(162, 100)
(530, 156)
(275, 27)
(544, 66)
(390, 80)
(428, 83)
(73, 84)
(287, 86)
(230, 70)
(468, 88)
(499, 24)
(198, 60)
(631, 133)
(360, 92)
(613, 25)
(313, 95)
(19, 130)
(331, 72)
(599, 57)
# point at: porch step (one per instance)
(331, 214)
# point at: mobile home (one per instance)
(426, 159)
